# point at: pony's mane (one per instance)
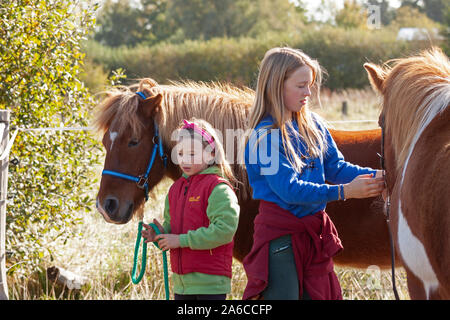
(121, 100)
(224, 106)
(416, 89)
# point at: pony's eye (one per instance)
(133, 143)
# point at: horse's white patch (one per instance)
(414, 255)
(436, 102)
(412, 250)
(112, 137)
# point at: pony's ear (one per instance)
(376, 76)
(152, 105)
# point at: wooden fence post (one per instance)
(345, 108)
(4, 131)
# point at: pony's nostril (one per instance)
(130, 210)
(111, 205)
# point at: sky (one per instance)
(313, 7)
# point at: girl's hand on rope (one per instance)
(149, 234)
(168, 241)
(365, 186)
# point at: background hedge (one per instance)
(341, 51)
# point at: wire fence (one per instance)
(8, 147)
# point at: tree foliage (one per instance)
(153, 21)
(121, 23)
(408, 16)
(341, 51)
(445, 29)
(40, 63)
(197, 19)
(351, 16)
(434, 9)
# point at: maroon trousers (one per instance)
(314, 242)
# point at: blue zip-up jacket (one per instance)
(273, 179)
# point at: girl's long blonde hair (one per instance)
(277, 66)
(219, 153)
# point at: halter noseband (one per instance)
(142, 180)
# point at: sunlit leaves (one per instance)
(40, 65)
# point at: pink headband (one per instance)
(203, 133)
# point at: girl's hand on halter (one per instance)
(364, 186)
(149, 234)
(381, 174)
(168, 241)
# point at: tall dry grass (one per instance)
(104, 253)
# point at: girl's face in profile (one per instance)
(192, 157)
(297, 88)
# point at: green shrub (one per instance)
(341, 51)
(40, 65)
(93, 76)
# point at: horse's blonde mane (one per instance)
(224, 106)
(119, 100)
(415, 88)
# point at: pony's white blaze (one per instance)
(412, 250)
(112, 137)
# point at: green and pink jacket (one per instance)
(203, 209)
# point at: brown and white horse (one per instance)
(128, 125)
(416, 121)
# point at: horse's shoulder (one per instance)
(427, 169)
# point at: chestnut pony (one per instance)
(415, 119)
(129, 122)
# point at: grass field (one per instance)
(103, 252)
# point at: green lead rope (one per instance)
(144, 259)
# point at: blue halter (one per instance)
(142, 180)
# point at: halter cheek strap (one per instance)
(388, 207)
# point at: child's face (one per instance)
(192, 157)
(297, 89)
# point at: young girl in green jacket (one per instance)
(200, 216)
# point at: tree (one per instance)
(153, 21)
(198, 19)
(445, 29)
(325, 13)
(40, 63)
(434, 9)
(412, 3)
(230, 18)
(351, 16)
(275, 16)
(407, 16)
(120, 23)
